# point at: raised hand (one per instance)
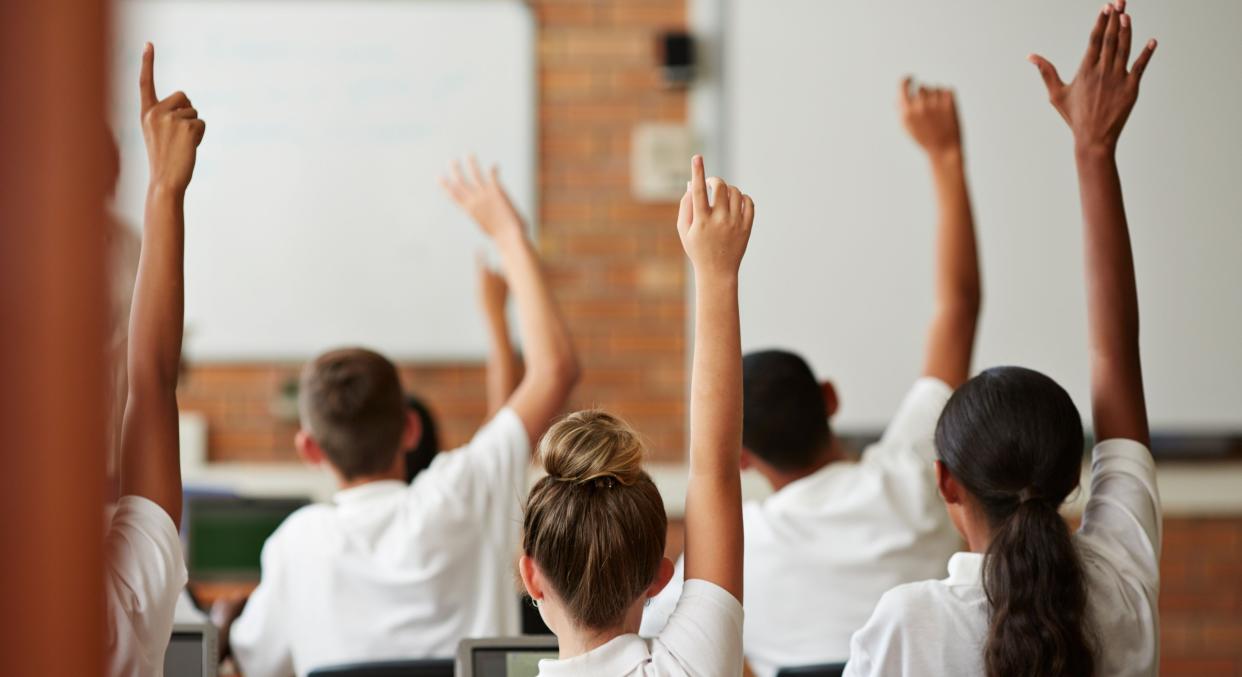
(1097, 103)
(929, 115)
(171, 128)
(714, 235)
(483, 198)
(493, 289)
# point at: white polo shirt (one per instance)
(390, 570)
(939, 627)
(703, 638)
(145, 572)
(822, 550)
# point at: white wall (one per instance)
(840, 262)
(314, 218)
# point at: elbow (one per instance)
(149, 375)
(966, 302)
(567, 371)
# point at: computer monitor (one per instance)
(191, 651)
(504, 656)
(224, 535)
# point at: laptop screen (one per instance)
(509, 662)
(184, 657)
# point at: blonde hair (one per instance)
(595, 524)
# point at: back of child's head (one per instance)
(350, 402)
(595, 525)
(784, 415)
(1013, 438)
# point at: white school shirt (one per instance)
(390, 570)
(939, 627)
(144, 574)
(703, 638)
(822, 550)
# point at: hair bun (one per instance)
(592, 446)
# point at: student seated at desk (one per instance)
(144, 566)
(837, 534)
(1031, 598)
(396, 570)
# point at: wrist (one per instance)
(949, 156)
(510, 235)
(715, 279)
(163, 188)
(1088, 151)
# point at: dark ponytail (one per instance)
(1013, 438)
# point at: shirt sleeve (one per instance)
(145, 573)
(655, 617)
(257, 638)
(914, 425)
(876, 648)
(490, 472)
(1123, 513)
(704, 632)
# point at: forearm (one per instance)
(1112, 300)
(156, 319)
(548, 348)
(714, 540)
(502, 368)
(958, 295)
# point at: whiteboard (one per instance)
(314, 219)
(840, 263)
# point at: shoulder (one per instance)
(306, 524)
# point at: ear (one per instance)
(831, 403)
(413, 430)
(950, 490)
(308, 449)
(747, 460)
(663, 576)
(530, 577)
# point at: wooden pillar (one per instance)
(53, 307)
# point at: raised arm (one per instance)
(1096, 105)
(930, 117)
(150, 450)
(502, 362)
(551, 364)
(714, 237)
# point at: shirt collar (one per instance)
(965, 568)
(619, 656)
(363, 492)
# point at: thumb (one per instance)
(1049, 73)
(146, 78)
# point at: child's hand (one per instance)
(714, 235)
(1098, 102)
(171, 128)
(493, 289)
(484, 199)
(930, 117)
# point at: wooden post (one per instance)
(53, 309)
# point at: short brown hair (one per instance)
(350, 402)
(596, 524)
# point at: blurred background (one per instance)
(314, 220)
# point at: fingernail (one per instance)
(1125, 20)
(1108, 9)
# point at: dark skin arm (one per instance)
(1096, 105)
(150, 447)
(930, 116)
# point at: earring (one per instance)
(647, 603)
(534, 602)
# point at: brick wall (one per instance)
(1201, 597)
(616, 264)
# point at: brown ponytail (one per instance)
(595, 524)
(1013, 438)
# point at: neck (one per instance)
(832, 453)
(577, 642)
(396, 472)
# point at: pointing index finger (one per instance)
(146, 78)
(698, 184)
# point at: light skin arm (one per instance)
(503, 369)
(715, 237)
(930, 117)
(1096, 105)
(551, 363)
(150, 450)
